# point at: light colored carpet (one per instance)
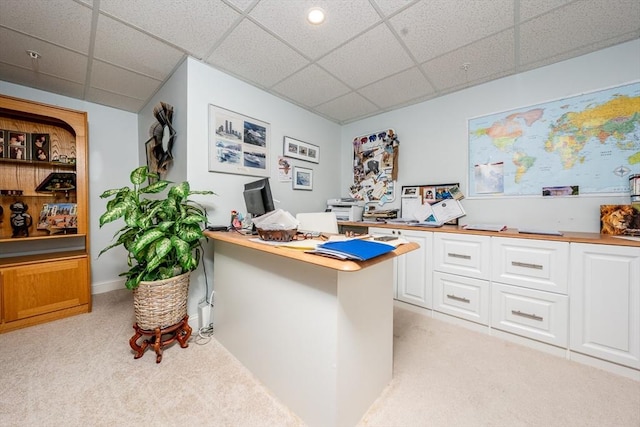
(80, 371)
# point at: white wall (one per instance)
(207, 86)
(210, 86)
(112, 153)
(191, 89)
(433, 137)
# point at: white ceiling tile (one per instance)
(287, 19)
(54, 60)
(398, 89)
(532, 8)
(41, 19)
(580, 51)
(121, 45)
(113, 79)
(576, 25)
(115, 100)
(488, 59)
(41, 81)
(347, 107)
(241, 4)
(431, 28)
(58, 85)
(311, 86)
(358, 64)
(194, 25)
(391, 6)
(251, 53)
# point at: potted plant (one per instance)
(163, 238)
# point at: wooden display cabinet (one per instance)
(45, 265)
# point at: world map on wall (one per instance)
(588, 143)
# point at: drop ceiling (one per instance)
(370, 56)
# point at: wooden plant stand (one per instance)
(160, 338)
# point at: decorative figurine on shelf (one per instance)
(20, 219)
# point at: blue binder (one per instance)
(356, 249)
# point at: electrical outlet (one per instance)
(204, 315)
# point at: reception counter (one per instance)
(317, 331)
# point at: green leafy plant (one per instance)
(162, 235)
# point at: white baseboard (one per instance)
(101, 288)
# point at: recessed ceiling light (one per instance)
(33, 54)
(315, 16)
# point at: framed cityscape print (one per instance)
(301, 150)
(238, 144)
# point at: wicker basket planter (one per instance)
(161, 303)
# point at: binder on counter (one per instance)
(354, 249)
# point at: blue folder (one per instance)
(356, 249)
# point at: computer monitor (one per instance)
(257, 197)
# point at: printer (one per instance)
(346, 208)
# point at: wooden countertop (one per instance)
(567, 236)
(298, 254)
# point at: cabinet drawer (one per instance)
(535, 264)
(542, 316)
(461, 297)
(466, 255)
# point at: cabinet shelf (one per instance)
(44, 276)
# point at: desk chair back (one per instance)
(320, 222)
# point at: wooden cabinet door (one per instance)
(605, 302)
(33, 289)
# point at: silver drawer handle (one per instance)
(458, 298)
(527, 315)
(452, 255)
(526, 265)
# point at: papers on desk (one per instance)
(354, 249)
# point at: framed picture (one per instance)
(238, 144)
(302, 178)
(301, 150)
(3, 149)
(18, 145)
(40, 150)
(415, 196)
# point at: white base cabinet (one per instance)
(413, 270)
(605, 302)
(579, 300)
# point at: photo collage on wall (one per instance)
(16, 145)
(237, 144)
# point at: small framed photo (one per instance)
(410, 192)
(302, 178)
(3, 149)
(40, 151)
(301, 150)
(17, 145)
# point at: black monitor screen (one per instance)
(257, 197)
